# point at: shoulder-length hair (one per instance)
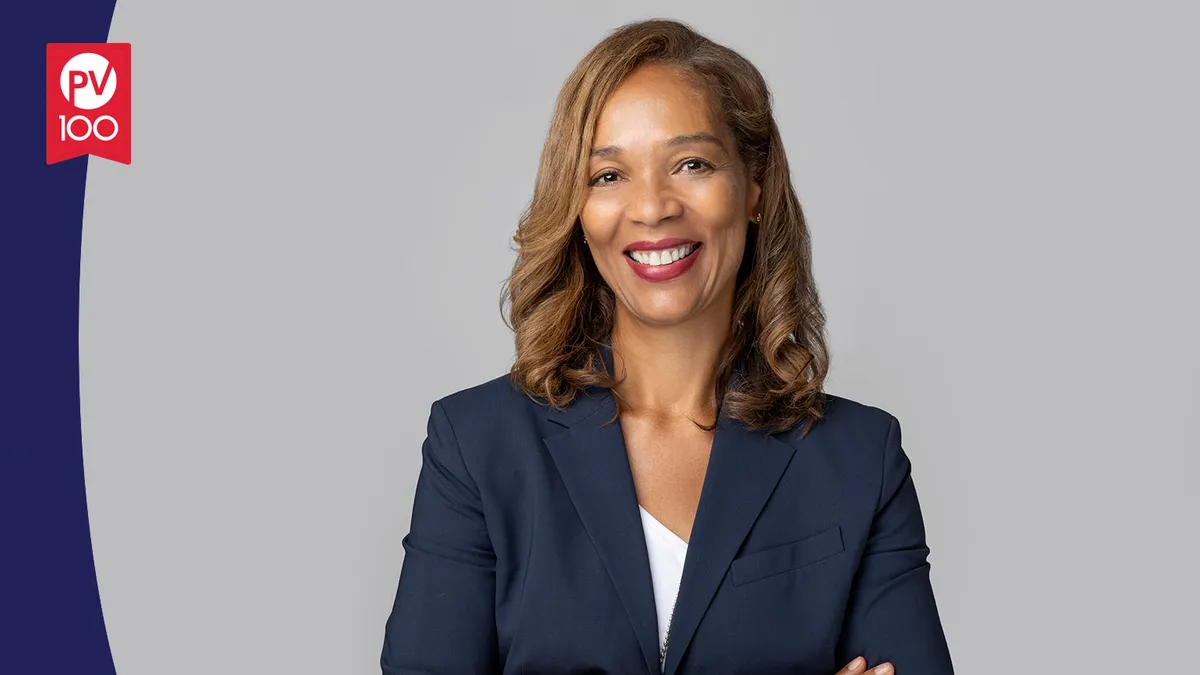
(560, 308)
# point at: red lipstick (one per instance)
(659, 245)
(661, 273)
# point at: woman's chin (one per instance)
(665, 317)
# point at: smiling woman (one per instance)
(660, 483)
(666, 167)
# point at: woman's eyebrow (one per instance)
(699, 137)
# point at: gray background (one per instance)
(308, 249)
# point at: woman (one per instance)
(660, 483)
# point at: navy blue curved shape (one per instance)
(50, 617)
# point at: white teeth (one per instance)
(657, 258)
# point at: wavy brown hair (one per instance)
(560, 308)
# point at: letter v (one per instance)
(99, 87)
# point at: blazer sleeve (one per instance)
(892, 615)
(443, 618)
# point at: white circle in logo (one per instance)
(94, 83)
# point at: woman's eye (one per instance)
(599, 180)
(689, 166)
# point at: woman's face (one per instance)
(668, 200)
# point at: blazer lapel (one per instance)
(591, 458)
(743, 469)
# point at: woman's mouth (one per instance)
(664, 264)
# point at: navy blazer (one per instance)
(526, 552)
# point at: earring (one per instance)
(758, 217)
(585, 238)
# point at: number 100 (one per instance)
(93, 128)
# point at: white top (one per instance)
(667, 553)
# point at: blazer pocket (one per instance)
(787, 557)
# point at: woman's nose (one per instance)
(653, 200)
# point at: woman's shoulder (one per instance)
(497, 396)
(495, 427)
(855, 440)
(849, 431)
(849, 417)
(490, 411)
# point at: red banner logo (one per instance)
(87, 101)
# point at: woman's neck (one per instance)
(669, 370)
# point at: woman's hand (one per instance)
(858, 666)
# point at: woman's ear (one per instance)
(753, 195)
